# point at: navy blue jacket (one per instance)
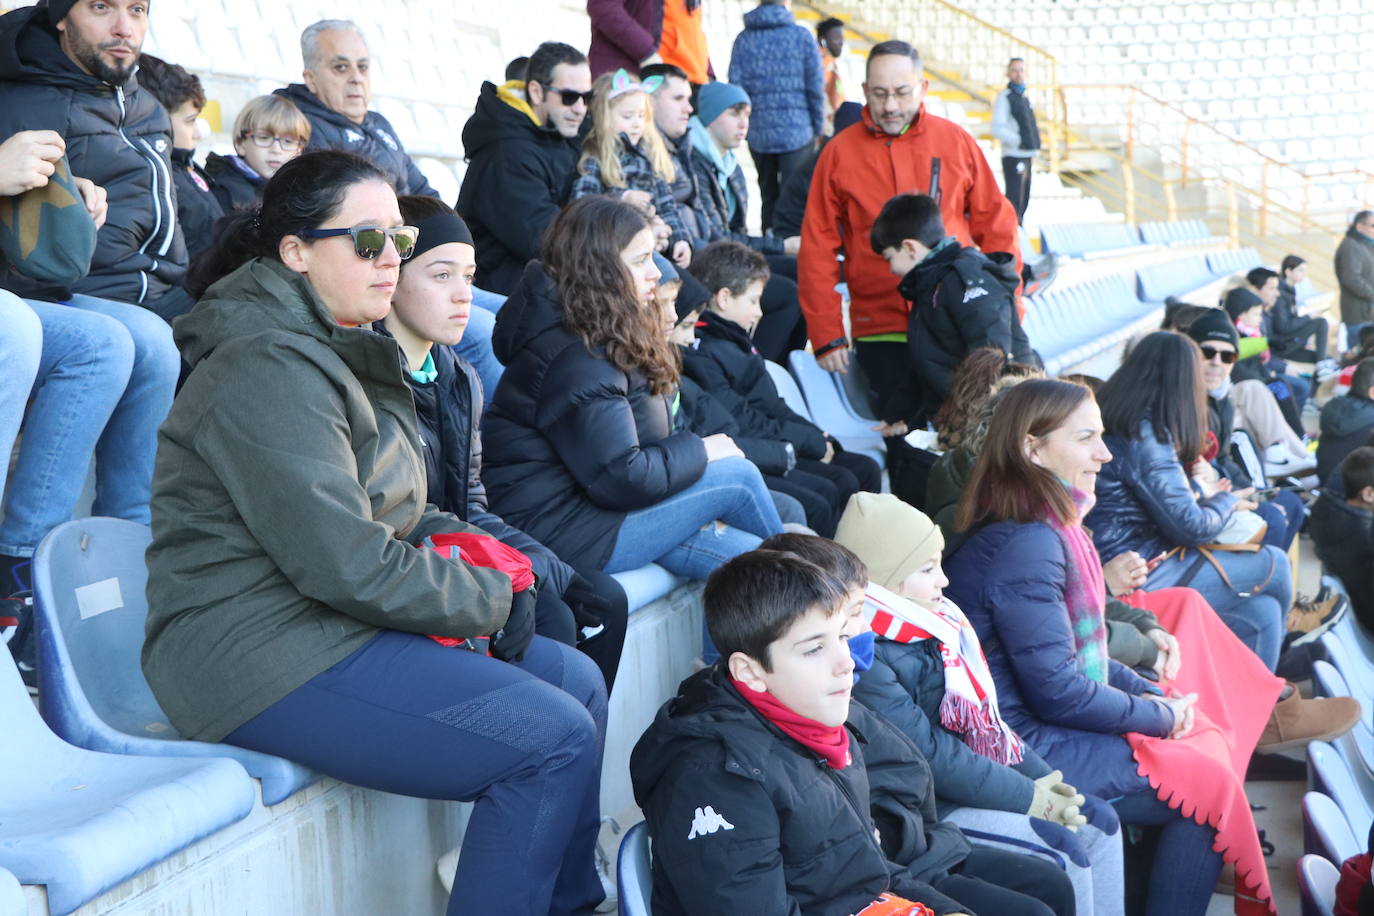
(778, 63)
(572, 443)
(905, 687)
(1346, 422)
(1145, 502)
(1009, 579)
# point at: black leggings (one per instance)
(1008, 884)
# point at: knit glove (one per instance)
(1061, 838)
(1057, 801)
(1100, 814)
(511, 641)
(589, 608)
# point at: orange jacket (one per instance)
(858, 171)
(684, 41)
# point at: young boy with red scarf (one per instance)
(766, 791)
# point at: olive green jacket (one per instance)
(288, 508)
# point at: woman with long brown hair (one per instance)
(579, 441)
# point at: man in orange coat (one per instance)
(897, 148)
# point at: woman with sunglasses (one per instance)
(580, 448)
(289, 581)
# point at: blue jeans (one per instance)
(1283, 513)
(1185, 867)
(683, 533)
(1258, 619)
(21, 344)
(475, 347)
(105, 382)
(521, 740)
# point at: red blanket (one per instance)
(1203, 775)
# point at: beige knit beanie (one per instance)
(893, 538)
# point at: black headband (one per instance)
(440, 229)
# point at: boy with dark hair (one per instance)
(1347, 419)
(728, 367)
(960, 300)
(767, 792)
(1343, 532)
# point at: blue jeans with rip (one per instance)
(1185, 867)
(105, 382)
(475, 347)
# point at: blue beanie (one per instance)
(715, 98)
(667, 272)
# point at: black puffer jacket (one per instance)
(1344, 537)
(1145, 502)
(800, 839)
(519, 175)
(960, 301)
(1346, 423)
(197, 206)
(696, 411)
(726, 365)
(232, 183)
(374, 139)
(118, 137)
(573, 443)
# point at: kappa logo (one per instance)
(705, 821)
(352, 136)
(974, 293)
(160, 144)
(388, 140)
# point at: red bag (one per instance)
(486, 551)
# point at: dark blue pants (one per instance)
(1185, 867)
(1283, 513)
(523, 741)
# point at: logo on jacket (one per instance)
(388, 140)
(352, 136)
(705, 821)
(974, 293)
(160, 145)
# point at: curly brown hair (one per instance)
(974, 382)
(581, 252)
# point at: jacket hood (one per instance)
(216, 166)
(532, 309)
(262, 295)
(30, 53)
(314, 109)
(1347, 415)
(770, 16)
(501, 116)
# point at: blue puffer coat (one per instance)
(1146, 504)
(1009, 579)
(778, 63)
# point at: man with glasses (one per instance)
(897, 148)
(334, 98)
(522, 157)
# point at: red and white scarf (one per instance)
(969, 706)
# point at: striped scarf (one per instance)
(969, 706)
(1085, 594)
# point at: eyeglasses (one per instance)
(264, 140)
(368, 241)
(901, 94)
(569, 97)
(1226, 356)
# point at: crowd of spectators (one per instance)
(392, 453)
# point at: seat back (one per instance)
(829, 408)
(787, 388)
(633, 874)
(1330, 774)
(89, 581)
(1325, 830)
(1317, 883)
(28, 740)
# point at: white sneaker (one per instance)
(447, 866)
(1283, 463)
(603, 871)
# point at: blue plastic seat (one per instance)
(81, 822)
(12, 901)
(633, 875)
(1317, 885)
(646, 584)
(787, 389)
(828, 405)
(1329, 773)
(89, 582)
(1325, 830)
(1357, 672)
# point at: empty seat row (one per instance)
(1078, 239)
(1158, 282)
(1233, 260)
(1173, 233)
(1071, 324)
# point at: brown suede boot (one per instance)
(1295, 721)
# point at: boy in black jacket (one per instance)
(1343, 532)
(755, 779)
(726, 365)
(960, 300)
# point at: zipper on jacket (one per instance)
(156, 167)
(854, 806)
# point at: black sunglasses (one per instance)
(1227, 356)
(368, 241)
(569, 97)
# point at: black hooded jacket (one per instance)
(1344, 537)
(572, 443)
(519, 175)
(197, 206)
(119, 137)
(234, 188)
(1346, 424)
(800, 839)
(374, 139)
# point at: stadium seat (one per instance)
(1232, 261)
(633, 877)
(1329, 773)
(1357, 672)
(1180, 277)
(12, 901)
(827, 403)
(89, 581)
(1325, 830)
(787, 388)
(81, 822)
(1069, 324)
(1317, 883)
(646, 584)
(1088, 239)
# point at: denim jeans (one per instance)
(21, 344)
(475, 347)
(724, 514)
(521, 740)
(105, 382)
(1185, 867)
(1258, 619)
